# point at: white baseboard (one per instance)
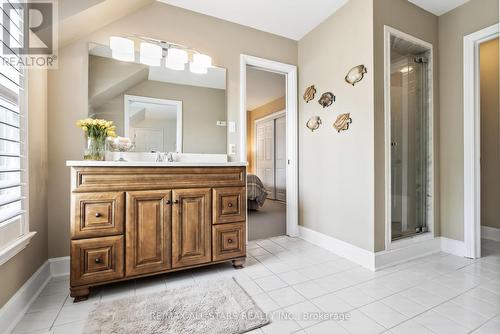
(412, 251)
(490, 233)
(12, 312)
(379, 260)
(356, 254)
(59, 266)
(454, 247)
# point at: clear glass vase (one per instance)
(96, 148)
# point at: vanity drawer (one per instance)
(228, 241)
(229, 205)
(97, 214)
(96, 260)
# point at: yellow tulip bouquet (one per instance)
(96, 131)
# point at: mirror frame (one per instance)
(134, 98)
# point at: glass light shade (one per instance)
(151, 54)
(122, 48)
(202, 60)
(196, 68)
(177, 56)
(174, 66)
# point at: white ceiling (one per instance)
(288, 18)
(263, 87)
(438, 7)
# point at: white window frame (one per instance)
(12, 247)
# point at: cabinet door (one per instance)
(191, 227)
(148, 223)
(96, 260)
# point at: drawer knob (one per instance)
(230, 205)
(97, 214)
(229, 241)
(97, 260)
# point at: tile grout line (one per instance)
(379, 300)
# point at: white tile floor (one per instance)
(436, 294)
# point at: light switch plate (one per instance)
(231, 126)
(232, 149)
(221, 123)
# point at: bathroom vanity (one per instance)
(130, 220)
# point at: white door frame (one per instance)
(472, 139)
(389, 244)
(292, 176)
(134, 98)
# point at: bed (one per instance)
(256, 193)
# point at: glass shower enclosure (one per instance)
(410, 138)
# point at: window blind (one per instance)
(12, 125)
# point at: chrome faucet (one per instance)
(159, 156)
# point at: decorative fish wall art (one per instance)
(326, 99)
(356, 74)
(310, 93)
(313, 123)
(342, 123)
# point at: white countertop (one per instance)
(90, 163)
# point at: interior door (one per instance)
(148, 223)
(265, 155)
(148, 139)
(280, 158)
(191, 227)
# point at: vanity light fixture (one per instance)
(122, 48)
(151, 54)
(176, 59)
(197, 68)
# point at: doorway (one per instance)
(266, 153)
(282, 180)
(476, 131)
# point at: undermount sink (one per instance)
(177, 157)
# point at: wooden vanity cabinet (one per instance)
(129, 222)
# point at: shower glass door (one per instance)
(410, 159)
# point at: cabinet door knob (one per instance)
(230, 205)
(168, 202)
(229, 241)
(97, 214)
(97, 260)
(176, 201)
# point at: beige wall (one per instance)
(223, 40)
(15, 272)
(417, 22)
(490, 134)
(453, 26)
(253, 115)
(336, 169)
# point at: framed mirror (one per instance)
(159, 108)
(153, 124)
